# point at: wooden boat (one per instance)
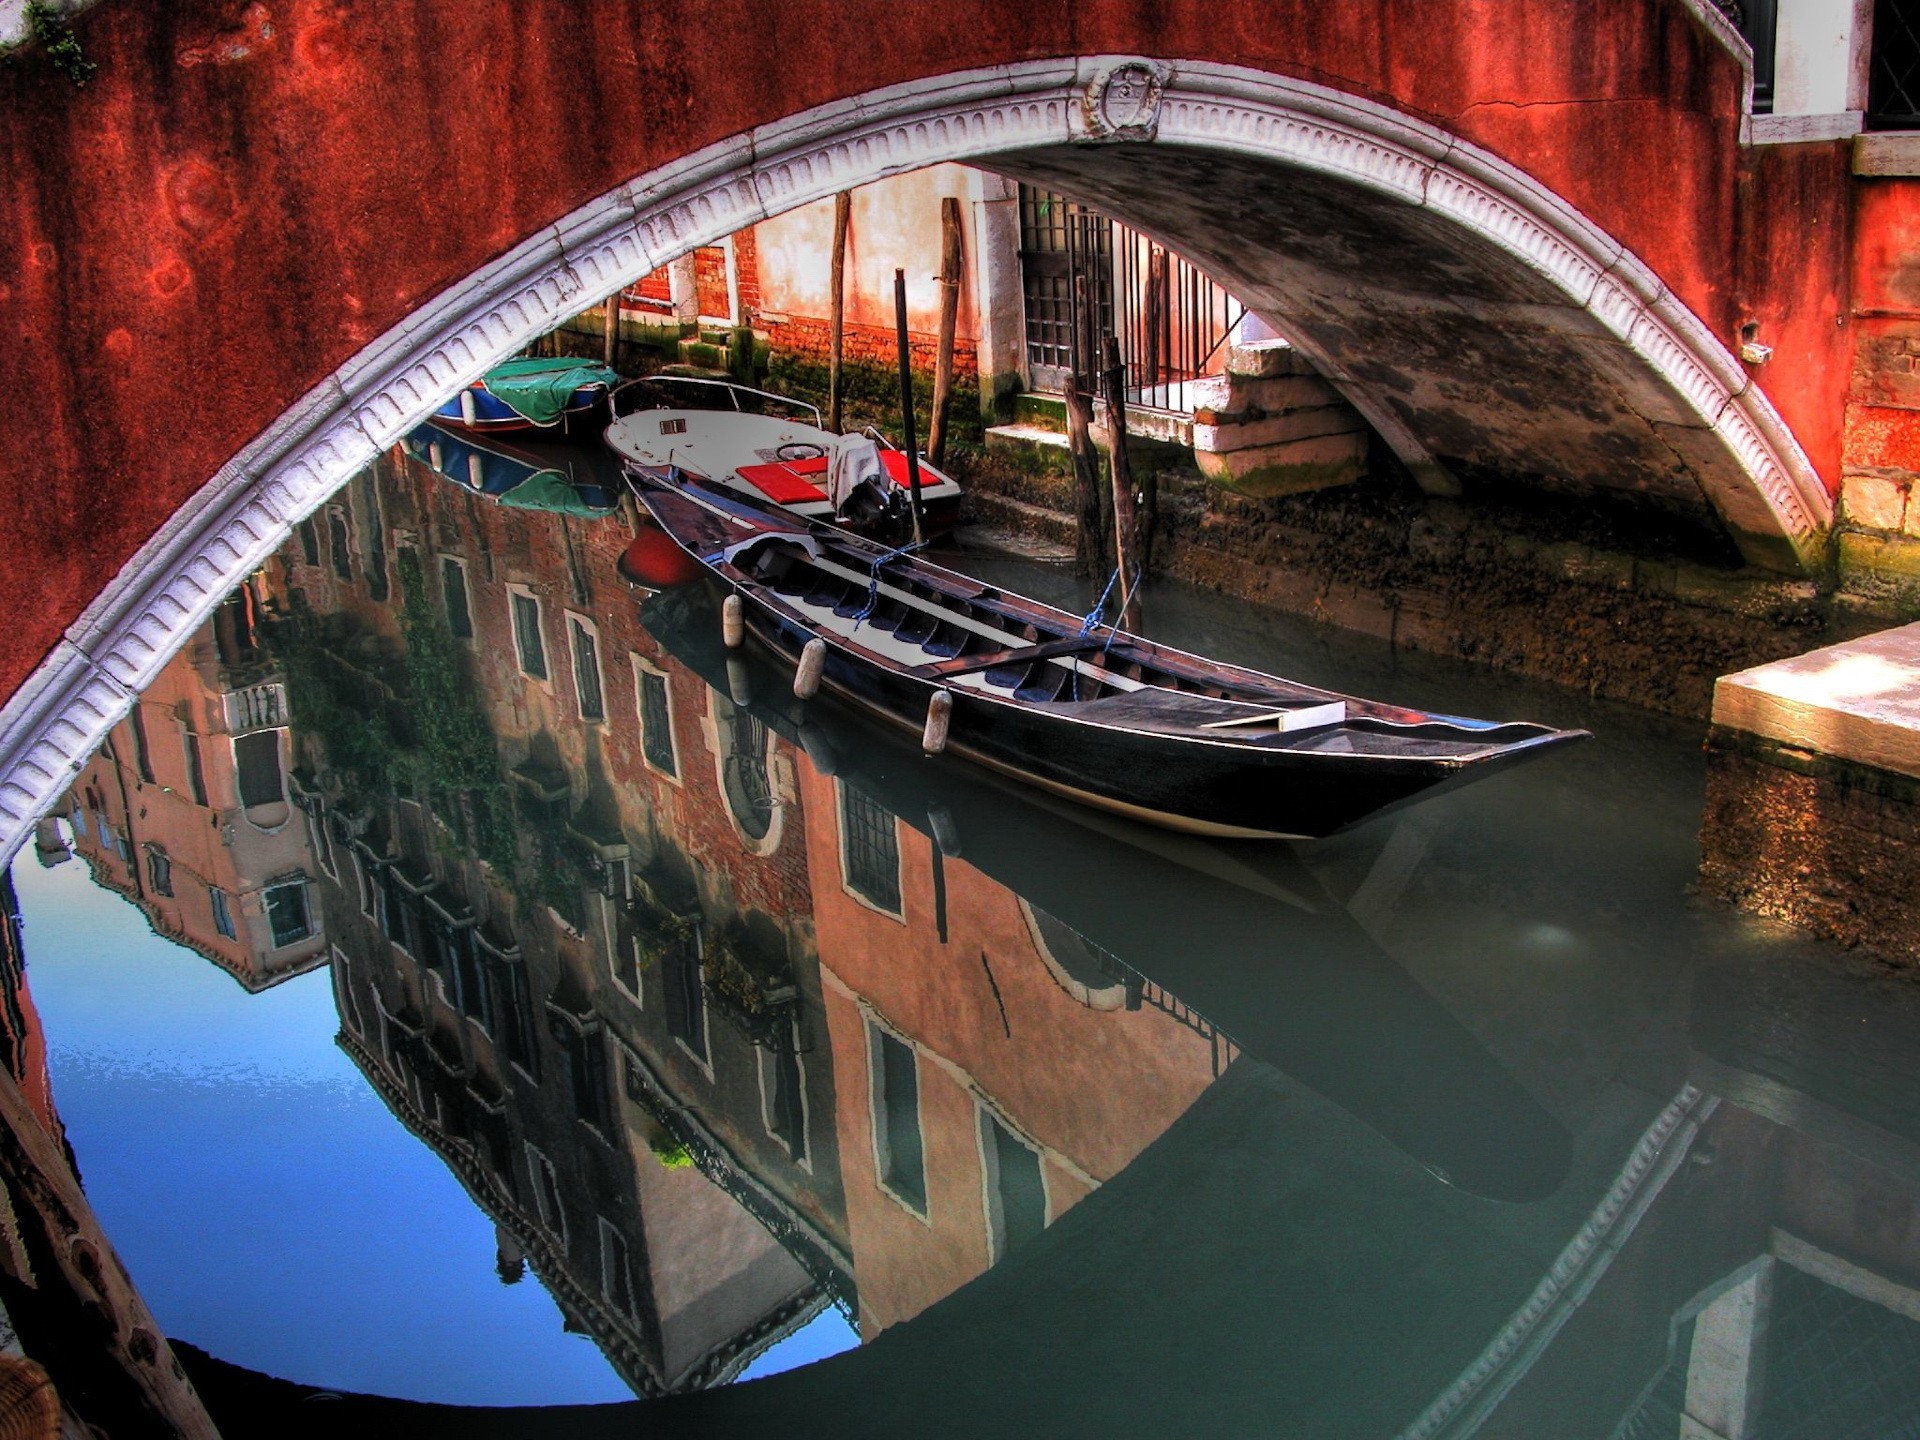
(1081, 709)
(530, 394)
(747, 441)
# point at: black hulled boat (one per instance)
(1081, 709)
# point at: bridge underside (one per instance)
(1467, 359)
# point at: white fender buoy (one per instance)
(819, 749)
(813, 660)
(939, 715)
(733, 621)
(466, 405)
(945, 833)
(476, 472)
(739, 687)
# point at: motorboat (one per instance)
(530, 394)
(757, 444)
(1064, 702)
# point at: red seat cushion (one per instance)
(896, 464)
(785, 482)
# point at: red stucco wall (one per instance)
(249, 192)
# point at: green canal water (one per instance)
(543, 1014)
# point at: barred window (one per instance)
(870, 849)
(287, 913)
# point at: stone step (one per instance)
(1290, 425)
(1052, 526)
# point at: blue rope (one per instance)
(873, 580)
(1095, 616)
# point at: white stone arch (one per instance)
(58, 716)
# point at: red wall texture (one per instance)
(247, 193)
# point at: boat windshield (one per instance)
(699, 392)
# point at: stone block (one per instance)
(1265, 358)
(1886, 361)
(1858, 701)
(1873, 502)
(1276, 429)
(1291, 469)
(1890, 559)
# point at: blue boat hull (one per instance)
(491, 413)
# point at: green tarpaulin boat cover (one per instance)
(550, 490)
(540, 389)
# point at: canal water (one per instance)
(462, 981)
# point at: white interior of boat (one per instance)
(715, 444)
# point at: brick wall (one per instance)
(806, 337)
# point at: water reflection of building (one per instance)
(187, 810)
(560, 955)
(583, 952)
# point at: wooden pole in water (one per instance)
(1126, 525)
(950, 260)
(906, 401)
(837, 324)
(611, 319)
(1089, 535)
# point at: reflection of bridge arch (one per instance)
(1580, 361)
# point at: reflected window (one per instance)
(527, 640)
(340, 542)
(376, 533)
(196, 772)
(516, 1016)
(222, 911)
(467, 976)
(586, 669)
(142, 758)
(616, 1271)
(585, 1058)
(453, 593)
(656, 720)
(309, 541)
(257, 757)
(1016, 1187)
(899, 1157)
(159, 872)
(686, 997)
(344, 998)
(869, 850)
(322, 841)
(783, 1099)
(748, 786)
(287, 914)
(546, 1193)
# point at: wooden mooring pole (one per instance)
(950, 261)
(1126, 523)
(1090, 543)
(906, 402)
(837, 323)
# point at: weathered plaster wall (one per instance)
(248, 193)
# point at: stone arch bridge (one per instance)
(270, 235)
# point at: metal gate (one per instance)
(1171, 319)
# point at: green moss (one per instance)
(50, 30)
